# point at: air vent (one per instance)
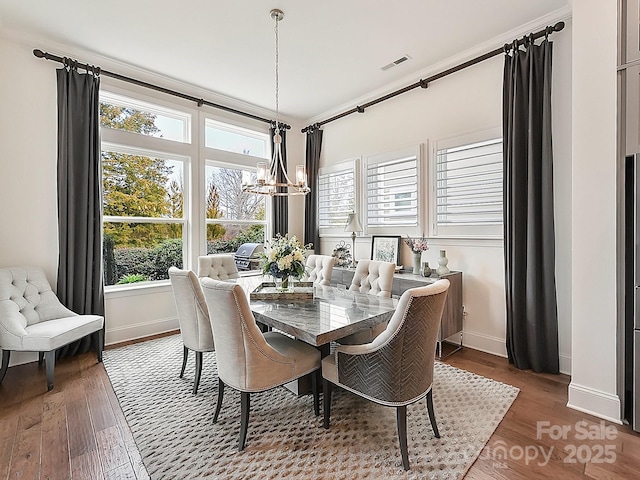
(404, 58)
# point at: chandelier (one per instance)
(267, 182)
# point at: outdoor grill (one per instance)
(246, 257)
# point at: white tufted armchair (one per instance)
(374, 278)
(32, 319)
(219, 266)
(319, 269)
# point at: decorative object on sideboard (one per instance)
(426, 270)
(417, 246)
(353, 225)
(385, 248)
(442, 262)
(342, 254)
(282, 258)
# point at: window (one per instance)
(231, 138)
(233, 216)
(336, 196)
(392, 190)
(143, 201)
(468, 186)
(143, 118)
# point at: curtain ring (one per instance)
(546, 33)
(506, 48)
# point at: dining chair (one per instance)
(396, 369)
(219, 266)
(32, 319)
(374, 278)
(193, 317)
(318, 269)
(248, 360)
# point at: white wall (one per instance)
(468, 101)
(593, 383)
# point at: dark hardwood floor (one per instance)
(78, 429)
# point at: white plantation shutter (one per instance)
(466, 186)
(336, 196)
(392, 191)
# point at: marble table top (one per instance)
(333, 313)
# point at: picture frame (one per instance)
(385, 248)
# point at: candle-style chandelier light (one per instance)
(266, 182)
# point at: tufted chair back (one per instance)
(373, 277)
(220, 266)
(318, 269)
(193, 315)
(26, 299)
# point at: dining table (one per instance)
(327, 315)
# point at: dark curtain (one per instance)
(529, 248)
(280, 204)
(314, 146)
(80, 284)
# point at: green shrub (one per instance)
(132, 278)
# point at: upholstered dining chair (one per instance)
(32, 319)
(193, 317)
(219, 266)
(318, 269)
(396, 369)
(374, 278)
(248, 360)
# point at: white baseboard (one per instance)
(140, 330)
(485, 343)
(594, 402)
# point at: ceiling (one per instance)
(331, 51)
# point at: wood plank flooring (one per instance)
(78, 429)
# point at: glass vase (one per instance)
(284, 284)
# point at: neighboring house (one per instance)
(584, 103)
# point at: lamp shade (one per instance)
(353, 224)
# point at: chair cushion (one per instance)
(45, 336)
(305, 358)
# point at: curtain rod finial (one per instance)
(558, 26)
(38, 53)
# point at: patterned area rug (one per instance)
(177, 439)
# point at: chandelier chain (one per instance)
(277, 75)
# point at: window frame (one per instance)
(463, 231)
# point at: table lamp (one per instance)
(353, 226)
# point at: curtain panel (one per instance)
(311, 230)
(529, 240)
(80, 284)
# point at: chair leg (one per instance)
(40, 358)
(219, 404)
(432, 415)
(198, 372)
(401, 414)
(5, 363)
(326, 400)
(316, 394)
(185, 355)
(245, 405)
(50, 360)
(100, 348)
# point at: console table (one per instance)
(452, 314)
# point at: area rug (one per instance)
(174, 432)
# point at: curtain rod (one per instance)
(99, 71)
(424, 83)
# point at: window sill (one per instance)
(134, 289)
